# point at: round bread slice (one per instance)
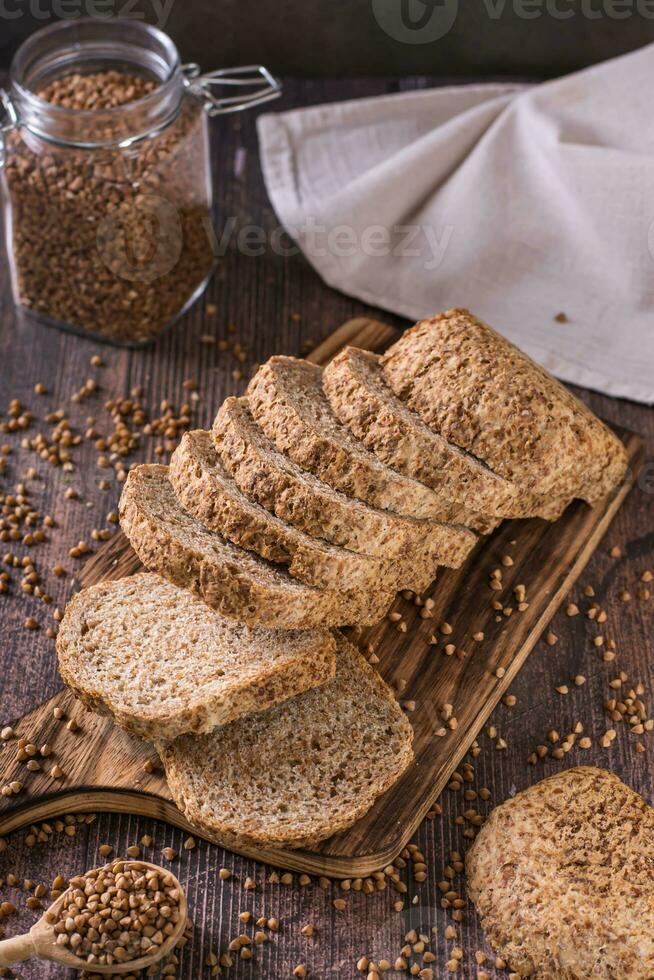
(287, 400)
(206, 490)
(237, 583)
(298, 497)
(477, 390)
(161, 663)
(298, 773)
(362, 400)
(561, 876)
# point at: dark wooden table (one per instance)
(274, 304)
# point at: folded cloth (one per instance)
(531, 205)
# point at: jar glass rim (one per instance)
(64, 46)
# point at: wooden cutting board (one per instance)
(104, 769)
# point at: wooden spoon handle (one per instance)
(16, 949)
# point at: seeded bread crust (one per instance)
(298, 773)
(237, 583)
(207, 491)
(298, 497)
(301, 499)
(418, 546)
(161, 663)
(561, 876)
(362, 401)
(287, 400)
(480, 392)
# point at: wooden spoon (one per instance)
(41, 940)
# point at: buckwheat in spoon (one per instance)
(121, 918)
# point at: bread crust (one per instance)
(275, 482)
(233, 747)
(561, 876)
(304, 501)
(480, 392)
(287, 400)
(308, 660)
(234, 582)
(471, 493)
(208, 492)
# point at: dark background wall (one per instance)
(371, 37)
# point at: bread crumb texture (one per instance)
(297, 773)
(161, 663)
(562, 876)
(235, 582)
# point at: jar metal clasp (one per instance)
(8, 120)
(258, 85)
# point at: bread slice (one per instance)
(480, 392)
(207, 491)
(287, 400)
(301, 499)
(298, 773)
(237, 583)
(561, 876)
(361, 399)
(298, 497)
(161, 663)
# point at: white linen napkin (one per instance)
(519, 202)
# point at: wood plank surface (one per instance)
(430, 657)
(276, 304)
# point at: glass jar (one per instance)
(106, 177)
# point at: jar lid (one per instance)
(90, 44)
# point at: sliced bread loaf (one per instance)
(207, 491)
(237, 583)
(287, 400)
(477, 390)
(298, 773)
(361, 399)
(561, 876)
(301, 499)
(161, 663)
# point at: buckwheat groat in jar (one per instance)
(106, 176)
